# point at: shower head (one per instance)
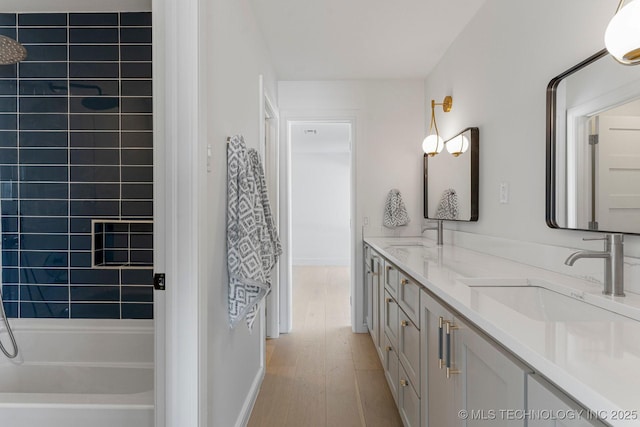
(11, 52)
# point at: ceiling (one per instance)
(359, 39)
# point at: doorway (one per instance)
(320, 196)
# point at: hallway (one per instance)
(322, 374)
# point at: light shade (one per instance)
(432, 144)
(458, 145)
(622, 37)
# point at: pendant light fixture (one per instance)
(622, 37)
(433, 143)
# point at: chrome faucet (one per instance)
(613, 256)
(439, 229)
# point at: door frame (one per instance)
(180, 168)
(287, 118)
(269, 147)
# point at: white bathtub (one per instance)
(78, 373)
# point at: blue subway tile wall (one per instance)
(76, 145)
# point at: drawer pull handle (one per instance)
(448, 328)
(388, 299)
(440, 337)
(404, 383)
(404, 323)
(405, 282)
(388, 348)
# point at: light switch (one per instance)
(504, 193)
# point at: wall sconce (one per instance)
(458, 145)
(622, 37)
(433, 143)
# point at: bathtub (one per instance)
(78, 373)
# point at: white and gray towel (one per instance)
(253, 246)
(395, 212)
(448, 206)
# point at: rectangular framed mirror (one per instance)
(593, 147)
(451, 180)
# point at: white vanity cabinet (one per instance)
(544, 400)
(374, 287)
(408, 296)
(391, 279)
(368, 290)
(391, 368)
(443, 369)
(439, 408)
(402, 335)
(463, 371)
(408, 400)
(390, 318)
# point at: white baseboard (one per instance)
(250, 401)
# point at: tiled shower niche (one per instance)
(75, 146)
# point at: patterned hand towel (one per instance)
(395, 212)
(252, 240)
(448, 206)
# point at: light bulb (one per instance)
(432, 144)
(458, 145)
(622, 37)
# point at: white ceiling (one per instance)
(359, 39)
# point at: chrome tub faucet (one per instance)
(613, 255)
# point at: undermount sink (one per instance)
(410, 244)
(537, 302)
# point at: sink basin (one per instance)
(536, 302)
(543, 304)
(409, 244)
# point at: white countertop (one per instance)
(597, 361)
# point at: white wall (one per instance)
(320, 206)
(235, 58)
(389, 120)
(497, 71)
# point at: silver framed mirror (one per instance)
(593, 147)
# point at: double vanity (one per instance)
(467, 338)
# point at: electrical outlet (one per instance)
(365, 220)
(504, 193)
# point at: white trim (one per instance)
(247, 407)
(159, 237)
(578, 168)
(286, 283)
(270, 154)
(179, 174)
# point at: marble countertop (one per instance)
(594, 359)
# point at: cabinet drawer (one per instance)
(409, 298)
(391, 366)
(390, 314)
(409, 349)
(391, 278)
(408, 400)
